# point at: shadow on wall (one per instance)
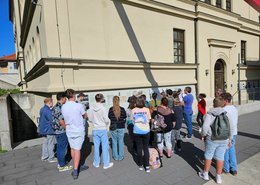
(136, 46)
(22, 125)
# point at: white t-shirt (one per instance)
(233, 118)
(73, 116)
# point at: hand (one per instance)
(202, 139)
(229, 144)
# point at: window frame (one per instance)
(219, 3)
(228, 5)
(180, 50)
(243, 52)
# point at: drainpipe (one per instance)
(196, 47)
(22, 58)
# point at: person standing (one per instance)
(98, 116)
(141, 117)
(201, 109)
(154, 103)
(165, 134)
(117, 116)
(130, 125)
(178, 117)
(213, 148)
(73, 114)
(187, 111)
(59, 127)
(230, 160)
(46, 131)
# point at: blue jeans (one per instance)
(165, 137)
(118, 143)
(230, 159)
(48, 147)
(62, 144)
(188, 120)
(100, 136)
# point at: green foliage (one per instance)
(9, 91)
(2, 151)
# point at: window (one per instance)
(15, 65)
(178, 46)
(243, 52)
(228, 5)
(208, 1)
(218, 3)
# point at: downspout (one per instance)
(22, 58)
(196, 46)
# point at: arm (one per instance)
(62, 123)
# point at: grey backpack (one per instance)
(220, 127)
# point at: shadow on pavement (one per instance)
(249, 135)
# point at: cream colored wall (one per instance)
(252, 46)
(102, 35)
(245, 10)
(208, 55)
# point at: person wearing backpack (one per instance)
(216, 142)
(230, 159)
(165, 134)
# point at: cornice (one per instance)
(45, 63)
(162, 7)
(221, 43)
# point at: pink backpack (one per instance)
(154, 159)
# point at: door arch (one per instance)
(219, 76)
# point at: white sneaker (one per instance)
(141, 168)
(147, 170)
(204, 176)
(109, 166)
(53, 160)
(96, 166)
(218, 179)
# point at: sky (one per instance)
(6, 30)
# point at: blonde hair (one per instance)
(47, 100)
(116, 107)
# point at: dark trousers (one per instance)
(131, 135)
(142, 142)
(200, 119)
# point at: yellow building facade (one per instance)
(120, 47)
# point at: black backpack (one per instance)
(220, 127)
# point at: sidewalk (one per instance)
(249, 173)
(24, 167)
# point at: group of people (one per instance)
(148, 122)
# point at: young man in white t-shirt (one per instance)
(230, 160)
(73, 114)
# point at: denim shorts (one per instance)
(76, 140)
(215, 149)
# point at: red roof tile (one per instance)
(9, 57)
(255, 4)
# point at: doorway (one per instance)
(219, 76)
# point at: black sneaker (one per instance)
(83, 168)
(74, 175)
(234, 173)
